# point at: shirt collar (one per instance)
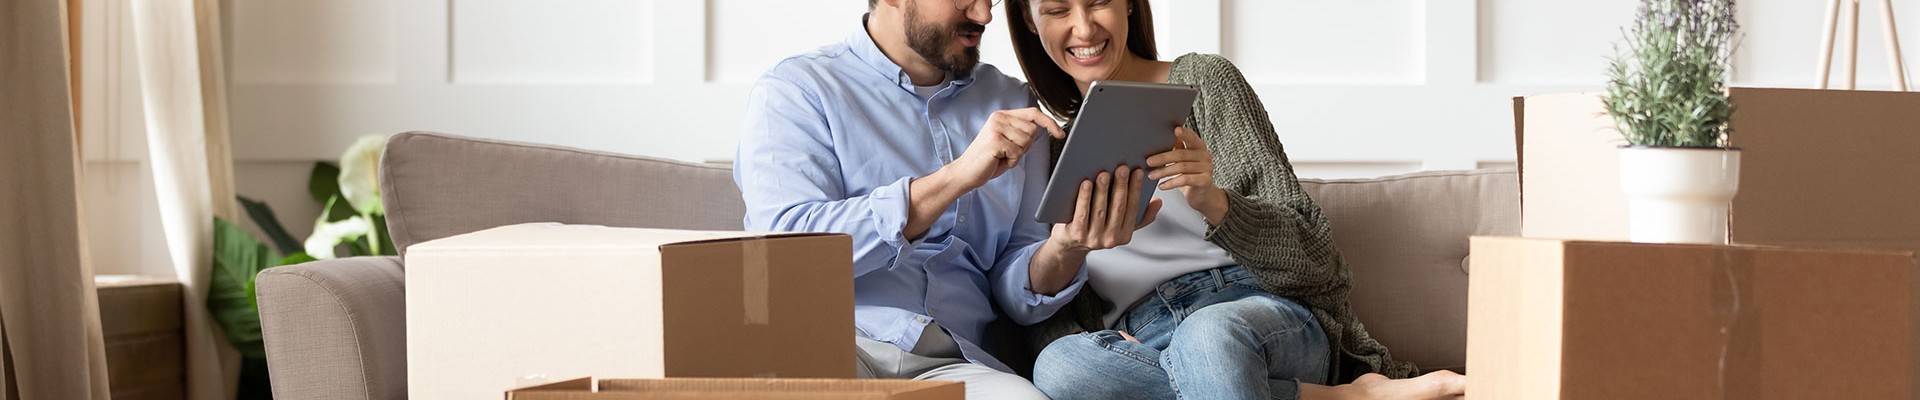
(869, 52)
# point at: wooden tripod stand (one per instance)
(1895, 64)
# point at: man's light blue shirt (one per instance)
(831, 140)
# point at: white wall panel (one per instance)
(1326, 42)
(567, 42)
(1550, 42)
(1356, 88)
(1187, 26)
(312, 41)
(749, 36)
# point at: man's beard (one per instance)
(931, 41)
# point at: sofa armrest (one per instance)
(335, 329)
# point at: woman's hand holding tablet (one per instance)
(1119, 124)
(1189, 167)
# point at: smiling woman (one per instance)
(1240, 292)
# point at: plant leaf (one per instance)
(324, 181)
(237, 258)
(1666, 84)
(269, 224)
(296, 259)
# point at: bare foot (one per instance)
(1441, 384)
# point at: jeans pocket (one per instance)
(1119, 345)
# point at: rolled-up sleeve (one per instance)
(790, 178)
(1011, 274)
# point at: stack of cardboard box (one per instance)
(1822, 307)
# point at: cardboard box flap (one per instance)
(744, 388)
(1570, 188)
(1827, 165)
(549, 235)
(581, 383)
(889, 386)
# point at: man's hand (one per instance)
(1001, 143)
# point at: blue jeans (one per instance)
(1212, 334)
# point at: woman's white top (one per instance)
(1174, 245)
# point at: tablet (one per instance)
(1119, 123)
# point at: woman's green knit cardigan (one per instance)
(1271, 227)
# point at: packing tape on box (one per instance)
(1739, 367)
(753, 285)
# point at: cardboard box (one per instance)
(488, 308)
(1555, 319)
(744, 389)
(1819, 168)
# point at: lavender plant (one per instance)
(1667, 86)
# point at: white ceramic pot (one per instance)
(1678, 195)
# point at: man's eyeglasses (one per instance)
(967, 5)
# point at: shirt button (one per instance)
(963, 219)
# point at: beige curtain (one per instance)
(178, 42)
(49, 313)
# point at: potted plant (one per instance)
(351, 217)
(1667, 95)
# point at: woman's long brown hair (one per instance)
(1055, 89)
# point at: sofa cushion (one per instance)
(1404, 236)
(437, 185)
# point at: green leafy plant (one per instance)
(351, 217)
(1667, 86)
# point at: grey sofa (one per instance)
(336, 329)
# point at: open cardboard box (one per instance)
(1557, 319)
(743, 389)
(485, 309)
(1825, 168)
